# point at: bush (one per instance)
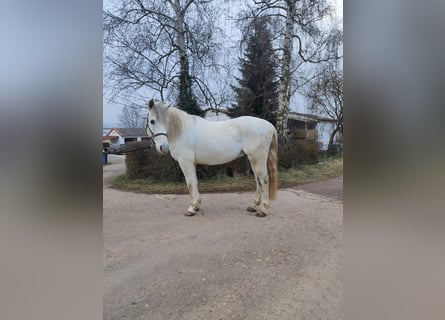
(235, 167)
(296, 153)
(143, 161)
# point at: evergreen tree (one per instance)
(257, 93)
(186, 98)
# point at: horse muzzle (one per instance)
(164, 148)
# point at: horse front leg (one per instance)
(189, 171)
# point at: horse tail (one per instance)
(272, 166)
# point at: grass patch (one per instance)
(329, 168)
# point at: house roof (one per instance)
(130, 132)
(301, 117)
(307, 117)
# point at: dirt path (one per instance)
(114, 168)
(224, 263)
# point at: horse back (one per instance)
(249, 126)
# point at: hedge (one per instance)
(143, 161)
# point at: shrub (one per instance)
(143, 161)
(235, 167)
(296, 153)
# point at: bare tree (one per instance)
(301, 39)
(326, 96)
(148, 44)
(132, 116)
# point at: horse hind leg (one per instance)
(261, 200)
(257, 199)
(264, 205)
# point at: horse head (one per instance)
(157, 124)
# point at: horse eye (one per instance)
(152, 121)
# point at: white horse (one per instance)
(192, 140)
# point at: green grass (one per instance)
(327, 169)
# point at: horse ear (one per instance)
(151, 103)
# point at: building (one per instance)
(310, 127)
(114, 140)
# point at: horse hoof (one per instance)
(251, 209)
(260, 214)
(189, 214)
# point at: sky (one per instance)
(112, 111)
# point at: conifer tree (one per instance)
(257, 93)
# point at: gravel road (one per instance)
(224, 263)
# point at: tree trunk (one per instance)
(285, 79)
(186, 98)
(331, 141)
(183, 60)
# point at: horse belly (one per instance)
(218, 154)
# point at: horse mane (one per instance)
(175, 123)
(173, 116)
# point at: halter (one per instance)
(154, 135)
